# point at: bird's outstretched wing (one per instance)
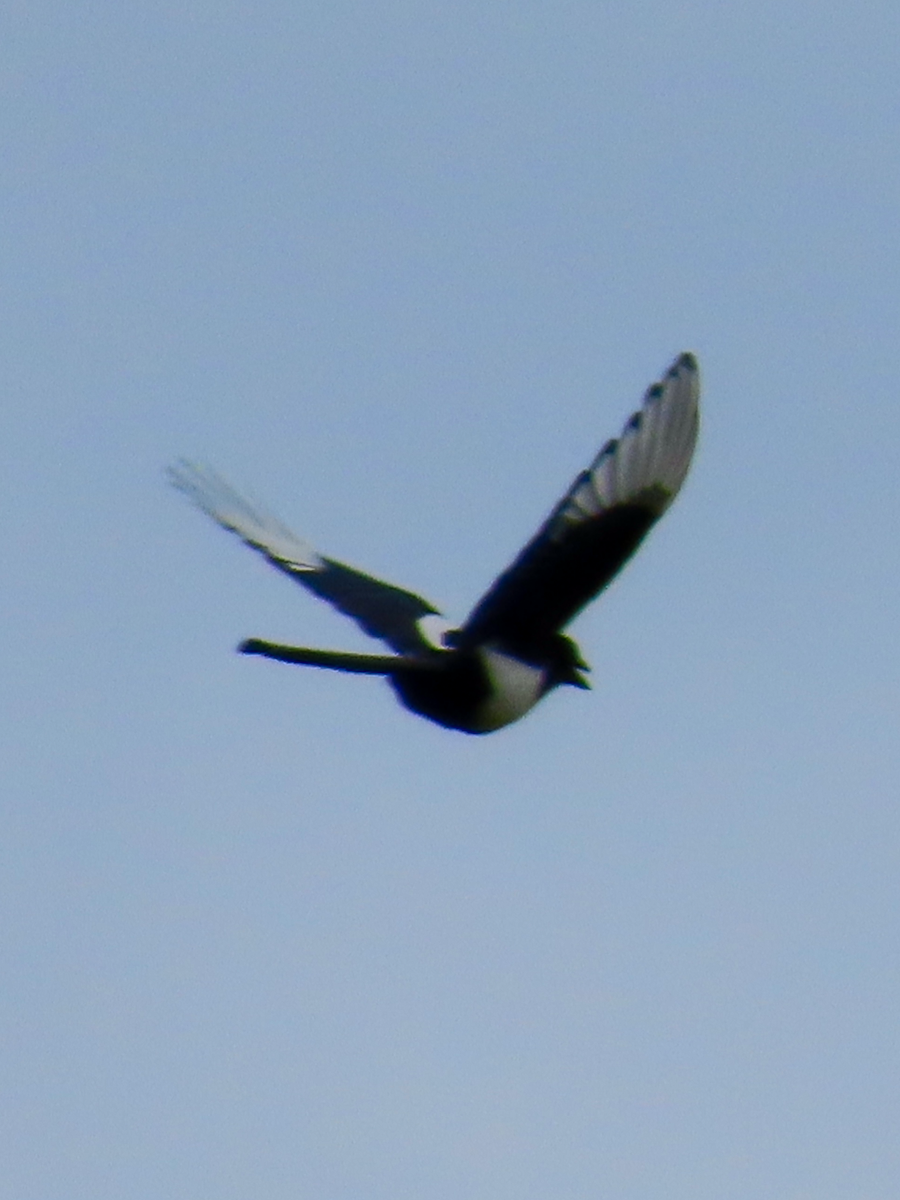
(600, 521)
(382, 610)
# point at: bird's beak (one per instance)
(576, 679)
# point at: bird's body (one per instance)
(478, 691)
(510, 651)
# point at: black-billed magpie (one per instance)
(510, 651)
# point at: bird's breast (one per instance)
(515, 687)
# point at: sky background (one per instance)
(400, 269)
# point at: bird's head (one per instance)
(568, 663)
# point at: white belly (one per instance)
(515, 688)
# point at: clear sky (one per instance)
(400, 269)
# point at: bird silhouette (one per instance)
(510, 651)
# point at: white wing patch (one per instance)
(647, 464)
(258, 528)
(432, 628)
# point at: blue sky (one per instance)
(400, 269)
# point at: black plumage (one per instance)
(510, 651)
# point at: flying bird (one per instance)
(511, 650)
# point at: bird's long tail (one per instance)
(335, 660)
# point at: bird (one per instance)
(511, 650)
